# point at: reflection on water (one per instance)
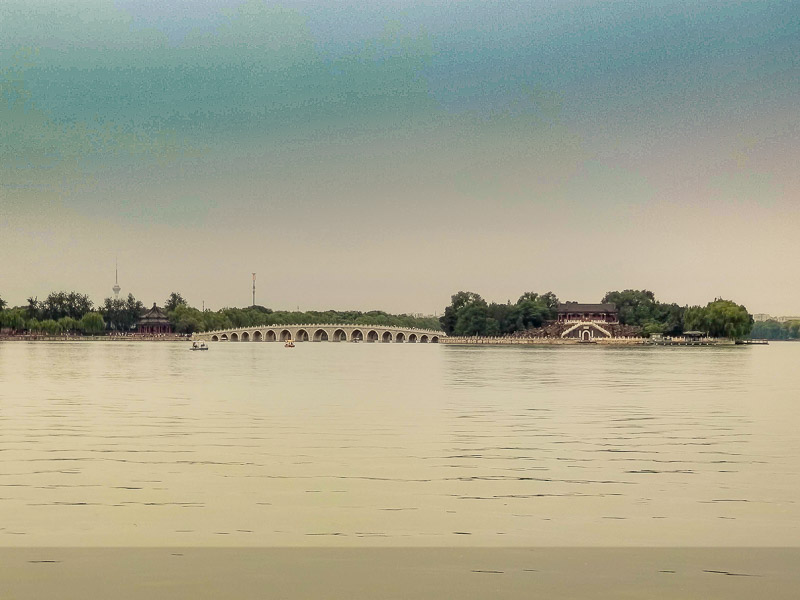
(350, 444)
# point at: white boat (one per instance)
(289, 344)
(198, 346)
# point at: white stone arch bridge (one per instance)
(323, 333)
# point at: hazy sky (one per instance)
(388, 155)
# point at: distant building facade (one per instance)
(154, 321)
(575, 311)
(587, 321)
(765, 317)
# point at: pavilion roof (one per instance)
(577, 307)
(154, 315)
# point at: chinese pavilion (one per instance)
(154, 321)
(586, 322)
(574, 311)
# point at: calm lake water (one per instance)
(126, 443)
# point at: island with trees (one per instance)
(638, 314)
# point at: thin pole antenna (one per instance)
(254, 289)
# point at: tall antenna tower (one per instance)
(254, 289)
(116, 287)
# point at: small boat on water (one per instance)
(198, 346)
(289, 344)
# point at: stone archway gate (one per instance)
(323, 333)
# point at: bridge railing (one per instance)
(326, 325)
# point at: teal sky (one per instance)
(387, 156)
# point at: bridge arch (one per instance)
(320, 332)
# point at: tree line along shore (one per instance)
(468, 314)
(639, 313)
(73, 313)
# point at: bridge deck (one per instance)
(327, 332)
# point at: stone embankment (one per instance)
(554, 329)
(549, 341)
(36, 337)
(540, 341)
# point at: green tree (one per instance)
(121, 315)
(720, 318)
(64, 304)
(669, 317)
(32, 310)
(92, 323)
(133, 310)
(552, 302)
(13, 319)
(469, 312)
(3, 304)
(651, 327)
(173, 301)
(640, 308)
(458, 301)
(51, 327)
(636, 307)
(472, 319)
(113, 313)
(185, 319)
(532, 312)
(501, 318)
(773, 330)
(68, 324)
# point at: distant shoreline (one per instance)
(445, 340)
(545, 341)
(94, 338)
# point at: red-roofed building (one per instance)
(154, 321)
